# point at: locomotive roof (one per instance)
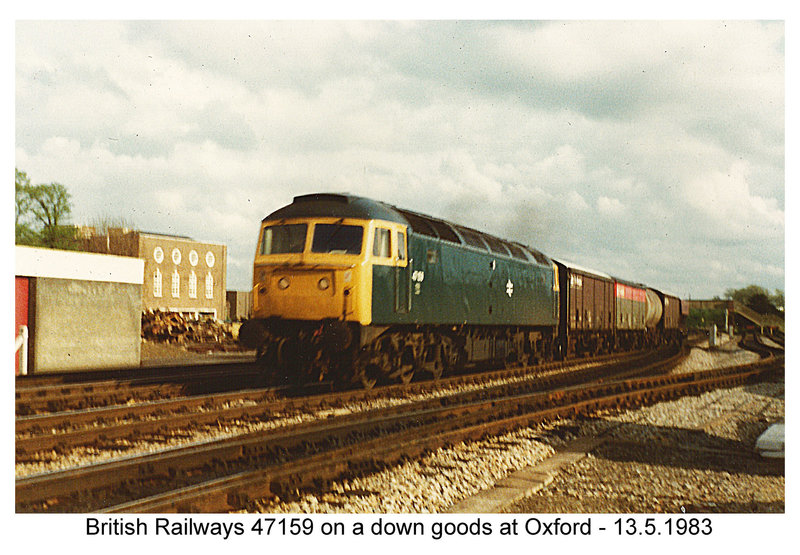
(337, 206)
(349, 206)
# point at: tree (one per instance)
(758, 299)
(744, 294)
(42, 214)
(51, 208)
(778, 299)
(23, 233)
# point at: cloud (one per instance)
(610, 206)
(625, 146)
(724, 199)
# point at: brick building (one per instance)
(180, 274)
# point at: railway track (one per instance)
(226, 474)
(63, 392)
(108, 426)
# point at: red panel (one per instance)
(21, 318)
(627, 292)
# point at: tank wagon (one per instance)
(351, 289)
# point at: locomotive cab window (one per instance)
(282, 239)
(401, 245)
(337, 239)
(382, 243)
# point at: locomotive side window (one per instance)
(382, 243)
(337, 239)
(517, 252)
(419, 224)
(472, 239)
(445, 231)
(495, 245)
(281, 239)
(401, 245)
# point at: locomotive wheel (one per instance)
(370, 367)
(405, 372)
(370, 376)
(512, 360)
(267, 353)
(434, 362)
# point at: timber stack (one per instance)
(193, 334)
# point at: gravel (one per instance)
(727, 353)
(427, 485)
(673, 456)
(695, 455)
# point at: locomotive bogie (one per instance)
(397, 353)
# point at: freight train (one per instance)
(350, 289)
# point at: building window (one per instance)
(176, 256)
(209, 286)
(176, 284)
(157, 283)
(193, 285)
(158, 255)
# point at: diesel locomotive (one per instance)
(355, 290)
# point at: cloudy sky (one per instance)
(650, 150)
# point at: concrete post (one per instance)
(22, 348)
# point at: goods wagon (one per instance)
(670, 326)
(587, 310)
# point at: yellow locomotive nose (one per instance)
(302, 293)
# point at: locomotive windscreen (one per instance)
(281, 239)
(337, 239)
